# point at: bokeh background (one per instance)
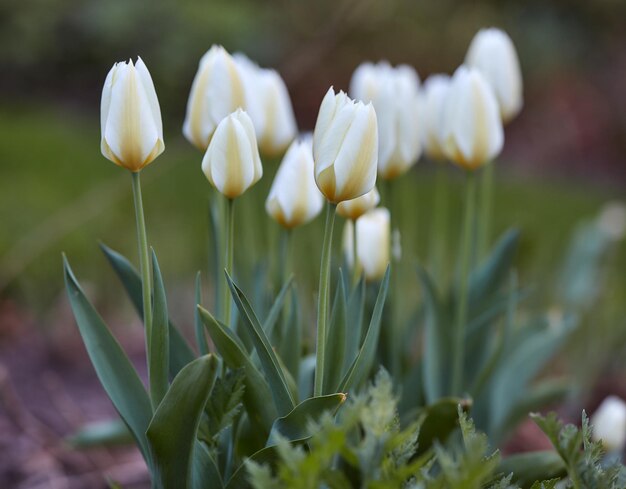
(564, 159)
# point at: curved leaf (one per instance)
(172, 431)
(439, 420)
(533, 466)
(296, 425)
(336, 340)
(117, 375)
(257, 397)
(363, 362)
(274, 373)
(158, 361)
(180, 353)
(277, 307)
(197, 323)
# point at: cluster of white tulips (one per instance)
(238, 111)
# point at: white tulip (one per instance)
(294, 199)
(394, 92)
(232, 162)
(609, 423)
(493, 53)
(434, 93)
(355, 208)
(130, 117)
(216, 91)
(372, 243)
(345, 147)
(472, 129)
(269, 106)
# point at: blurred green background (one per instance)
(563, 158)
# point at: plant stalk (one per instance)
(461, 311)
(322, 302)
(230, 244)
(356, 269)
(486, 209)
(439, 229)
(144, 261)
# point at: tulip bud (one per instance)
(130, 117)
(372, 243)
(345, 147)
(609, 423)
(472, 128)
(294, 198)
(434, 96)
(492, 52)
(355, 208)
(395, 96)
(216, 91)
(232, 162)
(269, 106)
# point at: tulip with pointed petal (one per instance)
(355, 208)
(373, 243)
(269, 106)
(434, 95)
(492, 53)
(394, 93)
(216, 91)
(294, 199)
(132, 131)
(472, 129)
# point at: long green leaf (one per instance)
(240, 479)
(336, 341)
(290, 347)
(204, 470)
(296, 426)
(197, 323)
(363, 362)
(257, 397)
(172, 431)
(486, 279)
(356, 307)
(436, 344)
(275, 375)
(101, 434)
(116, 373)
(158, 363)
(277, 307)
(180, 353)
(529, 354)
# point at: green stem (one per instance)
(356, 269)
(322, 302)
(461, 311)
(144, 261)
(230, 244)
(438, 232)
(486, 209)
(285, 267)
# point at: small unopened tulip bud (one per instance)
(609, 423)
(294, 199)
(232, 162)
(130, 117)
(493, 53)
(372, 243)
(355, 208)
(394, 93)
(434, 94)
(472, 128)
(269, 106)
(216, 91)
(345, 147)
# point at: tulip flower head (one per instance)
(434, 95)
(355, 208)
(394, 93)
(269, 106)
(372, 243)
(294, 199)
(492, 52)
(609, 423)
(232, 163)
(130, 117)
(216, 91)
(345, 147)
(472, 129)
